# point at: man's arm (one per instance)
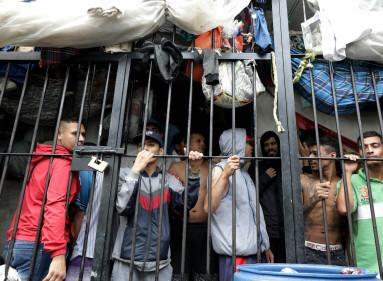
(177, 189)
(220, 182)
(313, 193)
(54, 219)
(350, 167)
(127, 192)
(265, 179)
(86, 180)
(128, 183)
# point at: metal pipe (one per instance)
(21, 196)
(2, 90)
(14, 129)
(234, 152)
(163, 183)
(324, 209)
(370, 199)
(46, 185)
(349, 220)
(146, 113)
(185, 211)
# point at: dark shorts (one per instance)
(320, 257)
(226, 262)
(195, 255)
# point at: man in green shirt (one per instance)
(359, 199)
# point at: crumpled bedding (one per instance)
(91, 23)
(345, 28)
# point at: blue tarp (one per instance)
(343, 84)
(17, 71)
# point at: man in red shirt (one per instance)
(55, 230)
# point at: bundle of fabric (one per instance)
(92, 23)
(364, 84)
(345, 28)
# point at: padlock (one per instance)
(97, 164)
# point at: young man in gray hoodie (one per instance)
(144, 180)
(221, 207)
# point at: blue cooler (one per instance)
(272, 272)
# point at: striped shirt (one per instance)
(77, 250)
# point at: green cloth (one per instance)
(362, 223)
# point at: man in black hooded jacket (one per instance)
(271, 199)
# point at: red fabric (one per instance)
(155, 202)
(55, 231)
(304, 123)
(239, 261)
(204, 41)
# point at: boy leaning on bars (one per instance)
(144, 180)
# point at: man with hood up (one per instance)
(270, 193)
(221, 207)
(55, 230)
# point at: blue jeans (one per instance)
(338, 257)
(22, 257)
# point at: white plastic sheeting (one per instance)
(348, 28)
(90, 23)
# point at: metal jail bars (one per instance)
(118, 66)
(105, 86)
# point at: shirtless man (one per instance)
(195, 266)
(313, 192)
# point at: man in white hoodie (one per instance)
(221, 203)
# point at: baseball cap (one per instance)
(149, 135)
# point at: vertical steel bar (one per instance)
(163, 182)
(318, 152)
(234, 152)
(292, 199)
(89, 208)
(41, 216)
(146, 113)
(325, 222)
(109, 186)
(164, 172)
(256, 170)
(88, 217)
(104, 104)
(324, 209)
(13, 134)
(256, 174)
(379, 109)
(209, 185)
(370, 199)
(2, 90)
(21, 196)
(104, 234)
(111, 178)
(210, 168)
(185, 211)
(349, 220)
(94, 179)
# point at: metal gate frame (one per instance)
(293, 211)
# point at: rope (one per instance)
(305, 62)
(278, 123)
